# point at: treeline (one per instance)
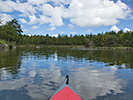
(49, 40)
(11, 32)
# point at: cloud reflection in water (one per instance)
(91, 83)
(88, 82)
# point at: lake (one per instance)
(35, 74)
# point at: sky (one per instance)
(53, 17)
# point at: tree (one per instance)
(97, 40)
(122, 37)
(111, 40)
(11, 31)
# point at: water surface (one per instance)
(35, 74)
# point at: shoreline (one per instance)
(76, 46)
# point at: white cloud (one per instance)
(22, 20)
(33, 19)
(131, 17)
(35, 27)
(25, 8)
(71, 26)
(54, 13)
(57, 2)
(52, 28)
(57, 16)
(29, 35)
(72, 32)
(55, 35)
(83, 13)
(37, 2)
(61, 32)
(5, 18)
(44, 19)
(114, 28)
(47, 9)
(4, 7)
(51, 15)
(126, 29)
(93, 13)
(25, 30)
(89, 30)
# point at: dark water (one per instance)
(35, 74)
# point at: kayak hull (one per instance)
(66, 93)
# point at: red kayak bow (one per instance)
(65, 93)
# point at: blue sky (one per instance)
(54, 17)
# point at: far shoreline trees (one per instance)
(11, 32)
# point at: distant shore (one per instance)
(4, 44)
(75, 46)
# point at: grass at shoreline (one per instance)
(52, 46)
(76, 46)
(122, 47)
(3, 42)
(12, 44)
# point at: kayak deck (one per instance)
(65, 93)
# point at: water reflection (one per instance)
(39, 73)
(10, 62)
(94, 82)
(89, 82)
(39, 84)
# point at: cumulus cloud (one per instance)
(31, 73)
(83, 13)
(71, 26)
(131, 17)
(53, 14)
(44, 19)
(114, 28)
(55, 35)
(5, 18)
(89, 30)
(4, 7)
(37, 2)
(62, 33)
(22, 20)
(52, 28)
(25, 8)
(72, 32)
(25, 30)
(56, 2)
(35, 27)
(126, 29)
(93, 13)
(33, 19)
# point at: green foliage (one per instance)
(11, 44)
(3, 42)
(11, 32)
(107, 39)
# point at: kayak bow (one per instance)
(65, 92)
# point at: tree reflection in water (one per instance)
(37, 73)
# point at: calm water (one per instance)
(35, 74)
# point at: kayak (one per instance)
(65, 92)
